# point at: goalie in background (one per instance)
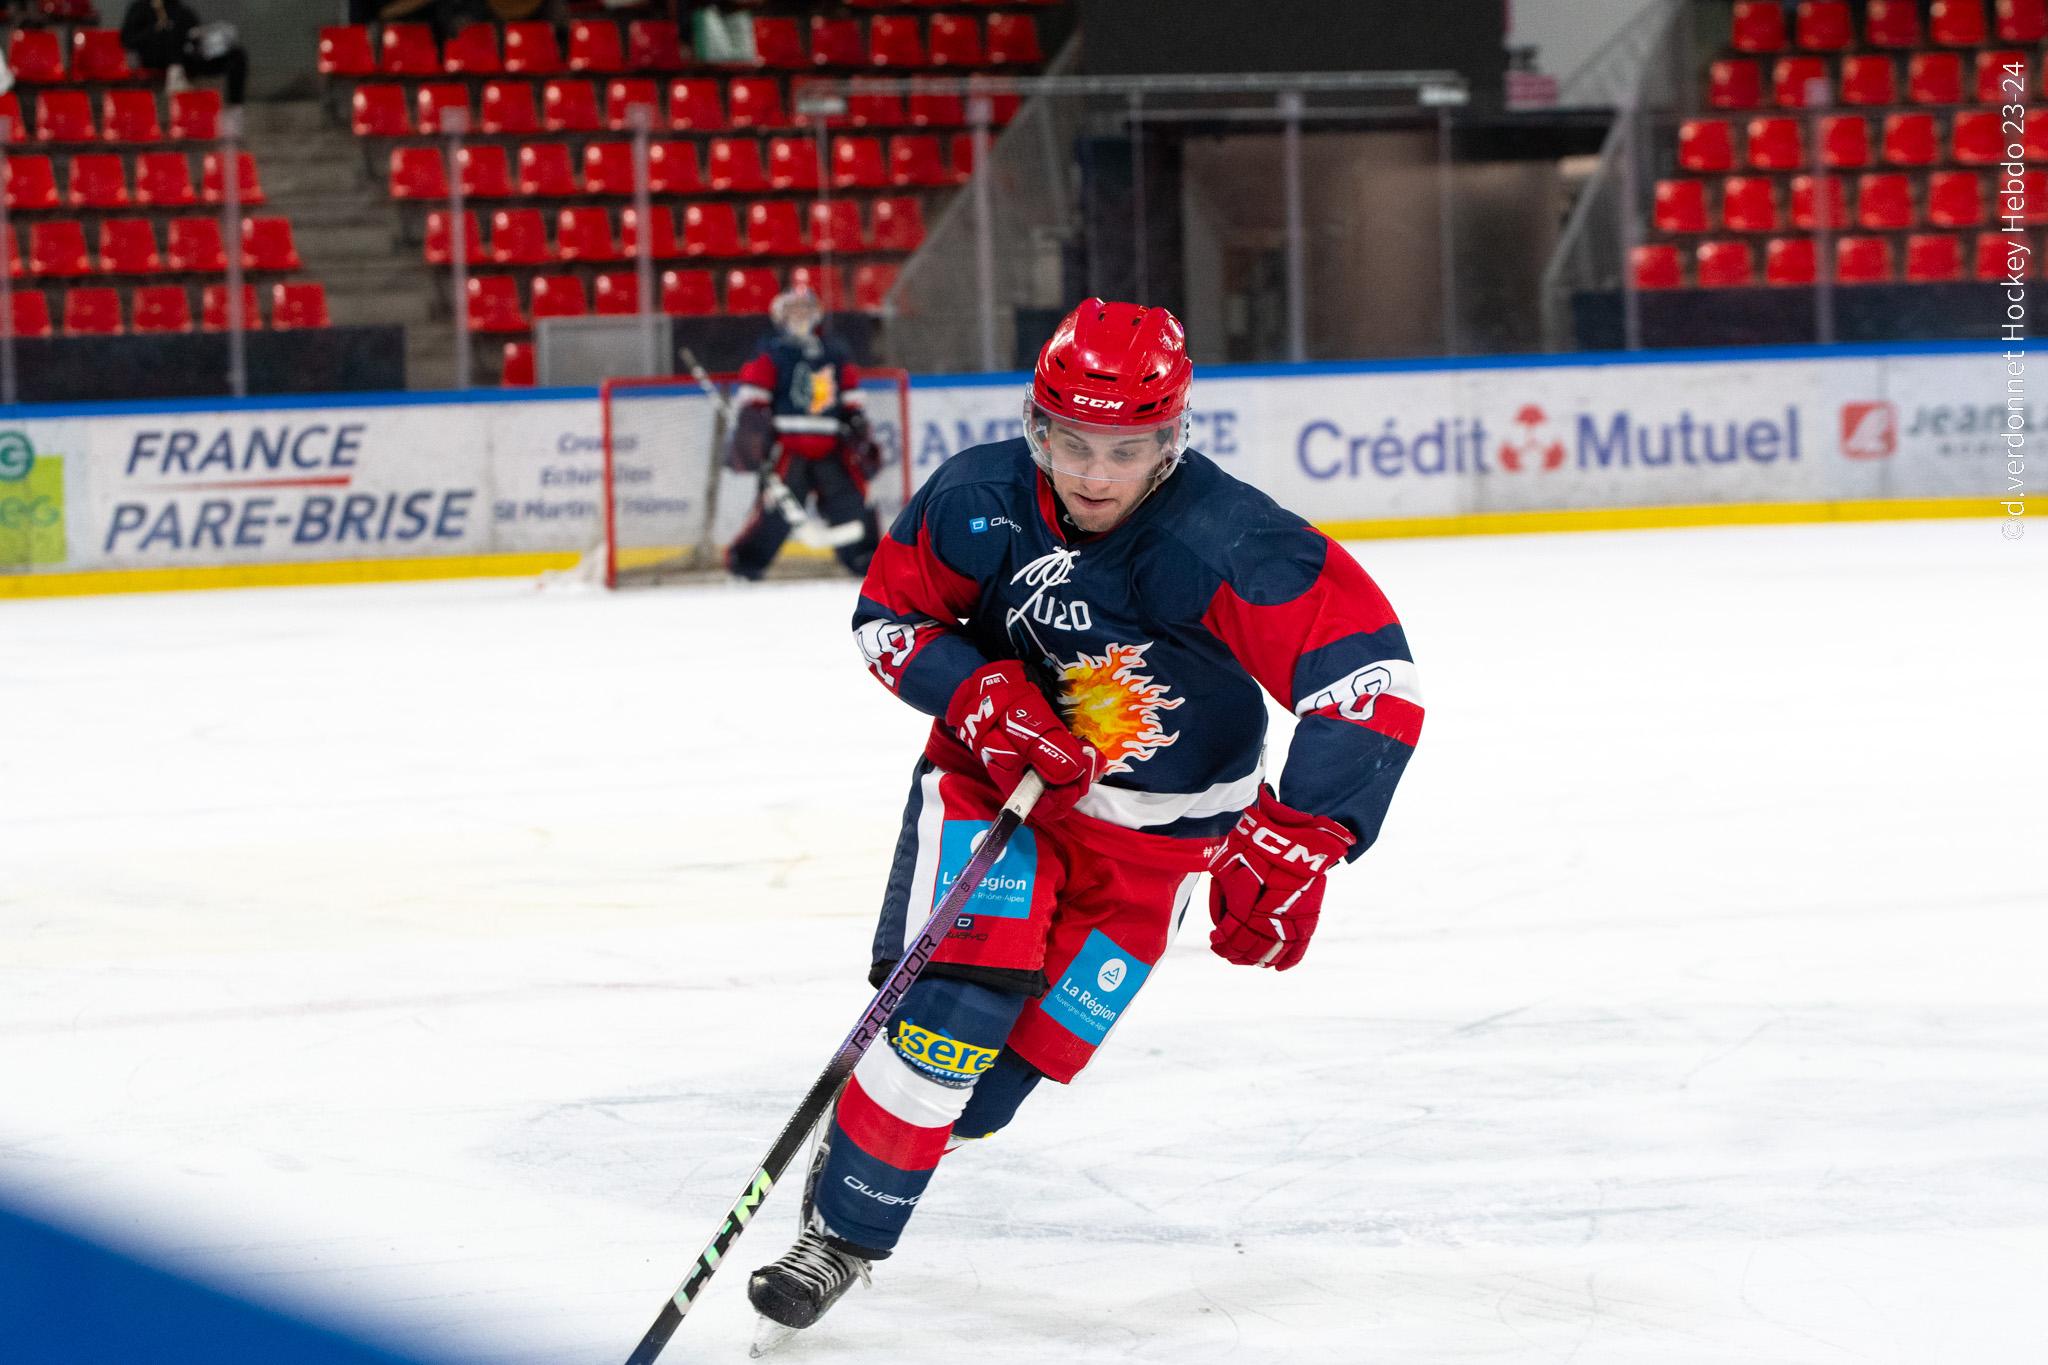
(800, 427)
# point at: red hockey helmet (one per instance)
(1117, 371)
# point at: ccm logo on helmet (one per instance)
(1082, 400)
(1280, 848)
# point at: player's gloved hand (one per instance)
(1266, 884)
(1008, 725)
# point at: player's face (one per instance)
(1101, 477)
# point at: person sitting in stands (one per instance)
(166, 35)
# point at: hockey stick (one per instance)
(801, 522)
(815, 1102)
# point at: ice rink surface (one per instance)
(447, 955)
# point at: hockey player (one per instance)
(1098, 604)
(801, 427)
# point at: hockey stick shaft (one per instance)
(819, 1097)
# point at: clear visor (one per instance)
(1105, 454)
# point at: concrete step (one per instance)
(303, 177)
(404, 310)
(323, 242)
(282, 116)
(324, 211)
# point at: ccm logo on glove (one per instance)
(1266, 884)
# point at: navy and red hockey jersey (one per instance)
(1153, 638)
(810, 386)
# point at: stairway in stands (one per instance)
(348, 233)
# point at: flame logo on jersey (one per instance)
(817, 390)
(1111, 702)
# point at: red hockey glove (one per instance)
(1007, 723)
(1266, 884)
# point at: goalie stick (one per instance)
(801, 523)
(816, 1100)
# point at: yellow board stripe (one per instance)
(1645, 518)
(284, 575)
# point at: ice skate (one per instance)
(797, 1288)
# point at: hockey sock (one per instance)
(899, 1108)
(996, 1096)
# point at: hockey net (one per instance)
(670, 507)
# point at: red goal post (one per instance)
(670, 507)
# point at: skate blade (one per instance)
(769, 1335)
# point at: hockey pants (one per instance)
(823, 483)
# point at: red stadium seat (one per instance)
(608, 168)
(1844, 142)
(623, 95)
(1934, 78)
(666, 245)
(1911, 140)
(517, 369)
(97, 58)
(162, 308)
(31, 183)
(735, 165)
(914, 160)
(379, 111)
(1956, 199)
(871, 285)
(36, 56)
(408, 50)
(1013, 40)
(345, 50)
(1749, 203)
(128, 247)
(584, 235)
(509, 110)
(2035, 141)
(31, 314)
(1656, 266)
(711, 230)
(473, 52)
(485, 171)
(65, 116)
(688, 293)
(58, 248)
(1758, 26)
(828, 285)
(267, 245)
(780, 43)
(559, 296)
(1976, 139)
(1869, 78)
(899, 224)
(1892, 23)
(694, 105)
(594, 47)
(130, 116)
(1724, 265)
(213, 187)
(755, 102)
(1681, 206)
(774, 229)
(213, 308)
(874, 109)
(13, 124)
(546, 172)
(1884, 201)
(1994, 258)
(936, 111)
(836, 226)
(569, 106)
(955, 40)
(195, 116)
(530, 50)
(435, 98)
(16, 267)
(792, 163)
(653, 45)
(92, 311)
(1863, 260)
(961, 160)
(418, 173)
(298, 306)
(1994, 69)
(1832, 203)
(2021, 21)
(98, 181)
(192, 246)
(2031, 198)
(519, 237)
(1933, 258)
(1824, 26)
(1706, 144)
(837, 42)
(617, 293)
(1788, 262)
(1792, 81)
(494, 304)
(672, 168)
(857, 164)
(1776, 144)
(749, 290)
(895, 41)
(440, 248)
(164, 181)
(1958, 23)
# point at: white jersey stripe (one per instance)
(924, 880)
(1143, 810)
